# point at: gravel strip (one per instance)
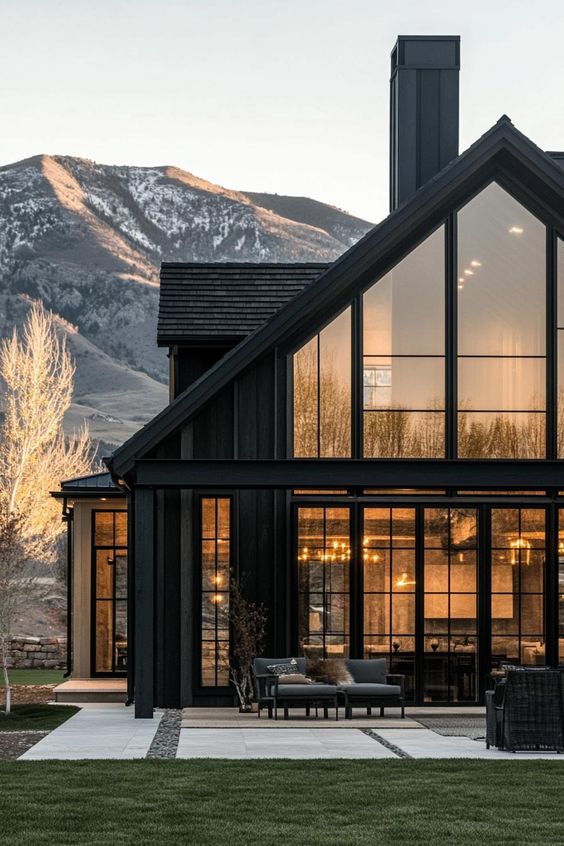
(15, 743)
(395, 749)
(165, 741)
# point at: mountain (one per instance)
(87, 239)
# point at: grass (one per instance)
(35, 717)
(33, 677)
(298, 803)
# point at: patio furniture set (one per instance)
(366, 683)
(525, 711)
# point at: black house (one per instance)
(373, 446)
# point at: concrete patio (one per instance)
(97, 731)
(110, 731)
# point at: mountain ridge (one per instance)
(87, 239)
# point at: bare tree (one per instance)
(37, 374)
(17, 581)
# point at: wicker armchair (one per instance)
(527, 712)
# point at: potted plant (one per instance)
(248, 626)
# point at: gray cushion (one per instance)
(371, 689)
(305, 691)
(371, 671)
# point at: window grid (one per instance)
(521, 641)
(450, 649)
(215, 573)
(324, 555)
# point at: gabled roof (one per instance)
(225, 300)
(503, 151)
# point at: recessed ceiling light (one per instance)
(468, 272)
(516, 230)
(475, 263)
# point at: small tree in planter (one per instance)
(248, 624)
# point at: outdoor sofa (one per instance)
(372, 686)
(525, 711)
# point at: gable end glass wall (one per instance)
(454, 348)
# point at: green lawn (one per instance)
(33, 677)
(35, 717)
(299, 803)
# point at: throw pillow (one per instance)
(294, 678)
(332, 670)
(282, 669)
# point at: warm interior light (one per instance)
(217, 598)
(475, 263)
(468, 272)
(217, 580)
(516, 230)
(404, 581)
(520, 543)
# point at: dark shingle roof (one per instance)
(225, 300)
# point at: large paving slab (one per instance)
(427, 744)
(108, 732)
(230, 718)
(302, 743)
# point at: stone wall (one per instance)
(46, 653)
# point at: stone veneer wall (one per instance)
(47, 653)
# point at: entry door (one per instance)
(109, 593)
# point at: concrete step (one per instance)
(91, 690)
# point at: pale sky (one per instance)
(286, 96)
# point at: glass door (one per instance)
(450, 622)
(517, 583)
(388, 581)
(109, 593)
(324, 563)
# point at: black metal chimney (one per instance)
(423, 110)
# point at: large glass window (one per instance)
(109, 592)
(501, 329)
(322, 393)
(324, 555)
(215, 518)
(450, 604)
(388, 565)
(518, 561)
(403, 348)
